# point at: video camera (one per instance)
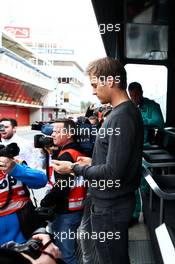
(45, 127)
(31, 248)
(9, 151)
(41, 141)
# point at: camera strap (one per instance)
(28, 194)
(34, 198)
(47, 253)
(9, 196)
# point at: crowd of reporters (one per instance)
(21, 169)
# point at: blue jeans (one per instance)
(10, 229)
(111, 227)
(64, 228)
(87, 245)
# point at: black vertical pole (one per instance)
(47, 163)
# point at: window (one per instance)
(153, 79)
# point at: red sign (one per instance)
(18, 32)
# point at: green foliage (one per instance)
(84, 105)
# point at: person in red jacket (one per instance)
(15, 179)
(66, 196)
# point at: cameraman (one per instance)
(32, 156)
(68, 201)
(15, 202)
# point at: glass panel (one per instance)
(153, 79)
(148, 42)
(147, 11)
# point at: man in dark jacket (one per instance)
(150, 110)
(116, 160)
(152, 118)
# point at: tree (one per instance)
(84, 105)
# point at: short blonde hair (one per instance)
(108, 67)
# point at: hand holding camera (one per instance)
(6, 156)
(49, 250)
(39, 249)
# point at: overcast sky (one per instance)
(72, 21)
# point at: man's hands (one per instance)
(62, 167)
(82, 161)
(6, 164)
(65, 167)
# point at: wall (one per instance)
(21, 114)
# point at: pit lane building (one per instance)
(29, 91)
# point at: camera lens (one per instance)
(40, 141)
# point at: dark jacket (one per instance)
(117, 156)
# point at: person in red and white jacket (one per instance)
(68, 193)
(14, 180)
